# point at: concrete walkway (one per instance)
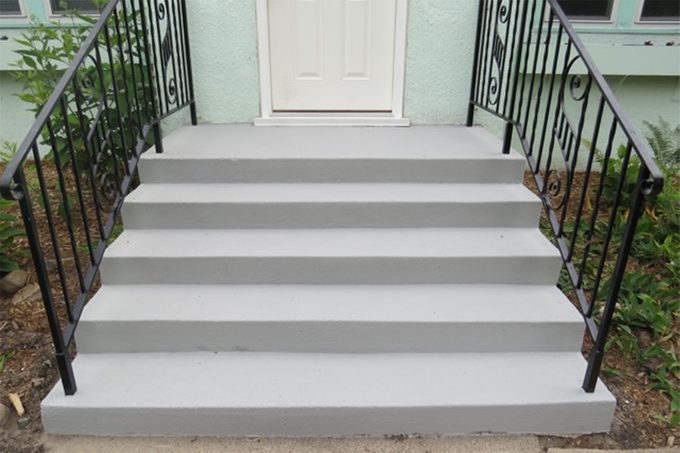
(480, 444)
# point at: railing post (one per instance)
(507, 139)
(190, 73)
(63, 362)
(597, 352)
(473, 83)
(155, 120)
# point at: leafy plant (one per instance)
(4, 357)
(105, 106)
(648, 307)
(649, 299)
(665, 141)
(9, 229)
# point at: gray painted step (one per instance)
(330, 256)
(285, 394)
(167, 206)
(244, 153)
(325, 318)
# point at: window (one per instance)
(10, 8)
(588, 9)
(660, 11)
(61, 6)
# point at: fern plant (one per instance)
(665, 141)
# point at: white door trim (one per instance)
(270, 118)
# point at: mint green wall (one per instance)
(440, 46)
(439, 55)
(224, 49)
(14, 118)
(224, 53)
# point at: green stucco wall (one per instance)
(439, 53)
(14, 118)
(224, 52)
(439, 56)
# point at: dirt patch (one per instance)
(638, 405)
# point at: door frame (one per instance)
(270, 118)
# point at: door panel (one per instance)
(332, 55)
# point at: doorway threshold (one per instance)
(332, 120)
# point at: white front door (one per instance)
(332, 55)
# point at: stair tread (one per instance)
(332, 303)
(240, 141)
(334, 243)
(331, 192)
(312, 380)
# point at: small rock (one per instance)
(23, 422)
(4, 415)
(671, 441)
(37, 382)
(50, 265)
(13, 282)
(28, 293)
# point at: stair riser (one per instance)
(328, 170)
(539, 270)
(139, 215)
(330, 422)
(327, 336)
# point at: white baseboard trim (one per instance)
(332, 121)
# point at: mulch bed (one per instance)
(31, 372)
(635, 424)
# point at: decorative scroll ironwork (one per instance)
(79, 160)
(569, 124)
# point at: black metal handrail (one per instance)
(532, 70)
(79, 159)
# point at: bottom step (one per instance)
(327, 395)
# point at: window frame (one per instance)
(57, 15)
(614, 14)
(22, 12)
(639, 20)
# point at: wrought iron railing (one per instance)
(79, 159)
(590, 167)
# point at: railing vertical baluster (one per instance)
(596, 355)
(131, 61)
(76, 175)
(59, 166)
(586, 180)
(508, 65)
(596, 210)
(90, 156)
(119, 116)
(575, 146)
(68, 380)
(51, 227)
(475, 66)
(530, 34)
(190, 73)
(541, 21)
(537, 107)
(138, 39)
(503, 57)
(507, 141)
(96, 89)
(152, 74)
(176, 60)
(612, 221)
(493, 23)
(106, 133)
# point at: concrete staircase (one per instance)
(329, 282)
